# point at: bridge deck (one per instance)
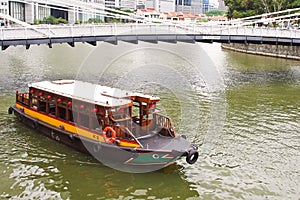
(112, 33)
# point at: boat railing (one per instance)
(124, 133)
(22, 98)
(165, 125)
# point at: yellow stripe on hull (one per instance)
(69, 127)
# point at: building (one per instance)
(132, 4)
(179, 16)
(128, 4)
(209, 5)
(4, 7)
(167, 6)
(189, 6)
(222, 5)
(161, 5)
(148, 13)
(172, 16)
(33, 10)
(112, 3)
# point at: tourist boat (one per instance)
(122, 129)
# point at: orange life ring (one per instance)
(113, 134)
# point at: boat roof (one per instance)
(89, 92)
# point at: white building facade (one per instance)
(34, 10)
(132, 4)
(161, 5)
(4, 7)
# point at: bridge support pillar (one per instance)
(93, 43)
(72, 44)
(112, 40)
(4, 47)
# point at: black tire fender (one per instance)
(192, 156)
(10, 110)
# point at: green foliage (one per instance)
(202, 20)
(245, 8)
(78, 22)
(113, 20)
(62, 21)
(51, 20)
(215, 12)
(128, 11)
(36, 21)
(94, 20)
(294, 4)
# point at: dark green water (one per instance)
(247, 131)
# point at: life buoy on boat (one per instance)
(192, 156)
(109, 139)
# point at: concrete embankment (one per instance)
(280, 51)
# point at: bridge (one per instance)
(112, 33)
(246, 30)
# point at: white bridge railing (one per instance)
(56, 31)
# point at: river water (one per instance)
(243, 111)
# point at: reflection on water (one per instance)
(253, 153)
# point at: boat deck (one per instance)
(159, 142)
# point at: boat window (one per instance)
(23, 98)
(61, 113)
(42, 106)
(150, 116)
(52, 108)
(152, 108)
(83, 120)
(71, 117)
(96, 122)
(120, 113)
(34, 103)
(136, 110)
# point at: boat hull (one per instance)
(135, 160)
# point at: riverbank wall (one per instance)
(279, 51)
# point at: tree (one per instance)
(294, 4)
(245, 8)
(215, 12)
